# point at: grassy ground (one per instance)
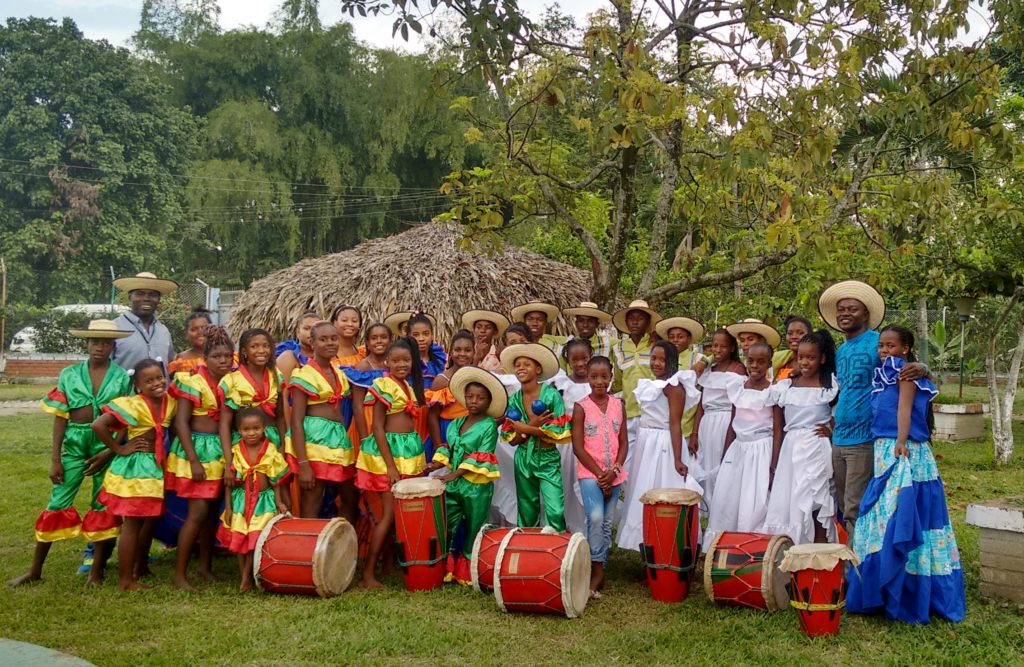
(23, 391)
(456, 625)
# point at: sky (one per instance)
(117, 20)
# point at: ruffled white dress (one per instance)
(803, 474)
(572, 392)
(714, 425)
(742, 498)
(504, 506)
(654, 462)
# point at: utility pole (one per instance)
(3, 306)
(112, 290)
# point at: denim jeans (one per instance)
(600, 513)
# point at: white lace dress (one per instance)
(803, 474)
(653, 461)
(714, 425)
(504, 507)
(742, 498)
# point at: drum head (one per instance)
(773, 578)
(709, 562)
(334, 558)
(418, 487)
(257, 557)
(474, 561)
(816, 557)
(576, 576)
(670, 497)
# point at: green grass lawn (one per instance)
(222, 627)
(23, 391)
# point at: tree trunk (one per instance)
(1001, 403)
(922, 328)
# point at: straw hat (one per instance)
(470, 374)
(471, 317)
(588, 309)
(395, 321)
(104, 329)
(695, 328)
(146, 280)
(542, 355)
(752, 325)
(519, 312)
(851, 289)
(619, 319)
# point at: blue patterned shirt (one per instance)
(856, 361)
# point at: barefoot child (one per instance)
(800, 503)
(81, 393)
(573, 387)
(195, 332)
(600, 443)
(536, 435)
(320, 452)
(257, 495)
(661, 459)
(195, 462)
(748, 451)
(133, 487)
(909, 561)
(394, 450)
(256, 384)
(468, 451)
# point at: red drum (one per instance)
(818, 585)
(670, 548)
(542, 572)
(305, 556)
(742, 570)
(420, 532)
(485, 551)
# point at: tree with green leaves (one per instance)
(91, 150)
(720, 138)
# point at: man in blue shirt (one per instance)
(150, 339)
(856, 310)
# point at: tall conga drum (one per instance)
(817, 588)
(542, 572)
(420, 532)
(305, 556)
(671, 546)
(485, 552)
(742, 570)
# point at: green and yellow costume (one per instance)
(253, 504)
(207, 399)
(134, 484)
(242, 390)
(328, 448)
(406, 448)
(468, 498)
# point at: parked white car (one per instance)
(24, 341)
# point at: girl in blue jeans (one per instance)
(599, 442)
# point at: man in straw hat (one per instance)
(856, 310)
(538, 316)
(750, 331)
(487, 326)
(82, 391)
(469, 451)
(149, 338)
(536, 435)
(632, 357)
(588, 319)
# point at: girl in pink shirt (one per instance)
(600, 444)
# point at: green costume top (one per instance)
(74, 390)
(556, 431)
(472, 451)
(633, 363)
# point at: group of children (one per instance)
(523, 426)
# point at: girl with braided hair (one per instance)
(195, 462)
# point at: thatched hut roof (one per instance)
(426, 267)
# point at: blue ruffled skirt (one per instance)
(909, 560)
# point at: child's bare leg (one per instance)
(35, 572)
(377, 538)
(145, 541)
(820, 533)
(596, 576)
(187, 536)
(349, 500)
(311, 500)
(245, 565)
(127, 552)
(207, 535)
(101, 554)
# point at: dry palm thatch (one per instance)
(424, 268)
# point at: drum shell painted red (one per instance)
(819, 587)
(671, 545)
(421, 541)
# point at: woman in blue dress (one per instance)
(910, 564)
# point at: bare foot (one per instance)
(26, 578)
(208, 575)
(132, 586)
(371, 583)
(143, 573)
(388, 569)
(94, 581)
(246, 585)
(182, 584)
